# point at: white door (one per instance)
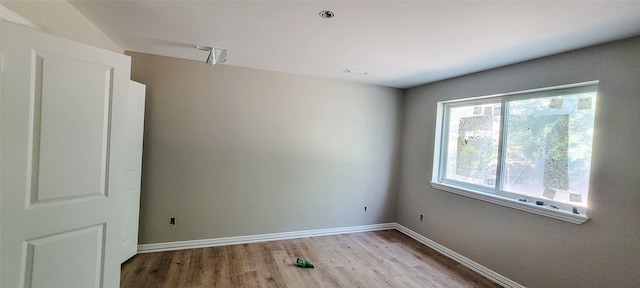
(132, 170)
(62, 108)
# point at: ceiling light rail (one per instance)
(216, 55)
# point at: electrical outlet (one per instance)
(172, 221)
(421, 217)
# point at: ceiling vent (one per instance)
(355, 72)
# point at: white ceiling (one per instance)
(398, 43)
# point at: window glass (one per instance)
(473, 136)
(548, 147)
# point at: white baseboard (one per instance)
(484, 271)
(191, 244)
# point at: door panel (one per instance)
(43, 254)
(62, 149)
(132, 170)
(70, 124)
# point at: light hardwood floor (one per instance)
(370, 259)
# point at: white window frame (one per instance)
(560, 212)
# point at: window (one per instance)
(527, 150)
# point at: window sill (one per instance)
(511, 203)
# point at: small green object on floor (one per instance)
(304, 263)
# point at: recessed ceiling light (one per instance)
(349, 71)
(326, 14)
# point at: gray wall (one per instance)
(533, 250)
(233, 151)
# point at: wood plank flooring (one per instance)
(370, 259)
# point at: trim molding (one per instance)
(484, 271)
(13, 17)
(192, 244)
(511, 203)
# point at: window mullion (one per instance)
(501, 144)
